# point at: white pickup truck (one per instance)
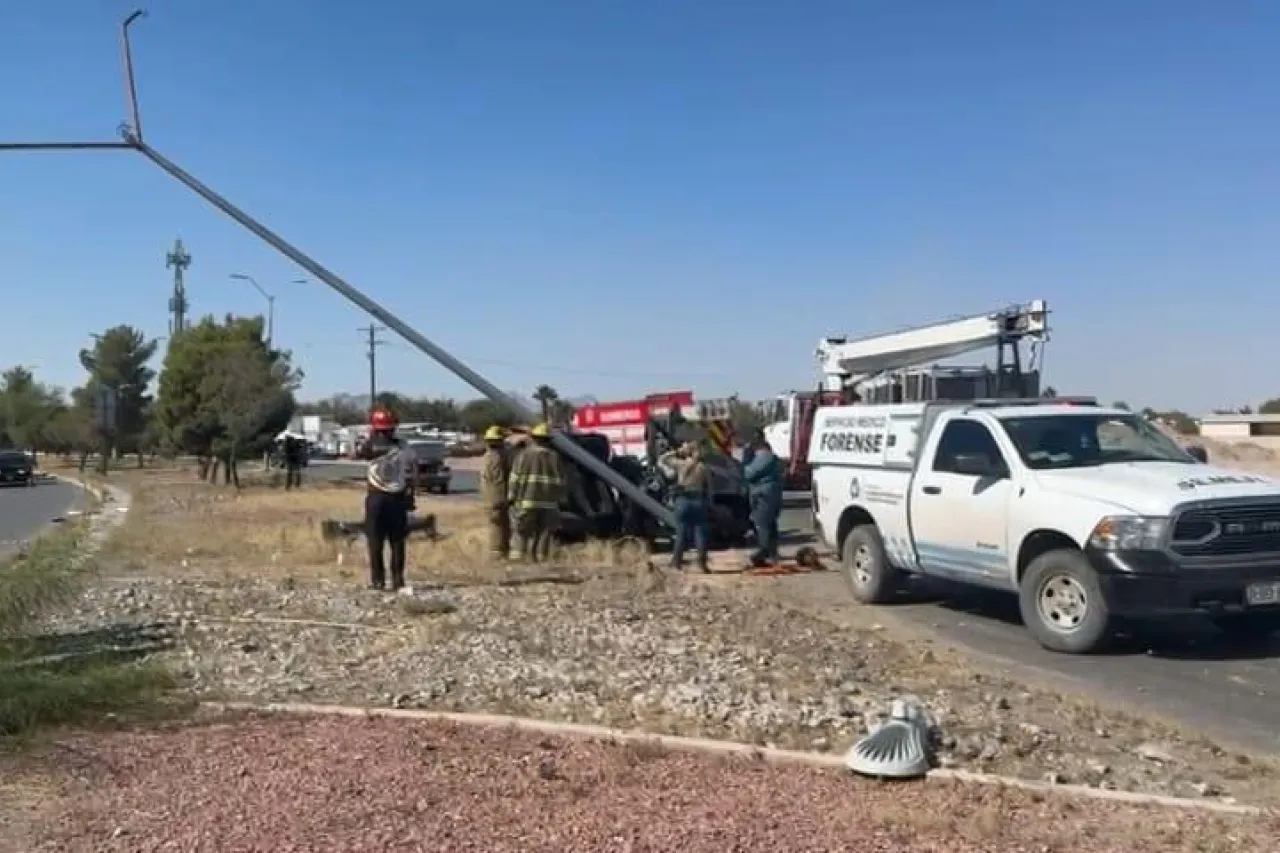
(1090, 515)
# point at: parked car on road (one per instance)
(434, 475)
(17, 468)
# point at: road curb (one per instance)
(825, 761)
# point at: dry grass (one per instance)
(187, 527)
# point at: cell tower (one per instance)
(178, 260)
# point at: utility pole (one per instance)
(374, 342)
(178, 260)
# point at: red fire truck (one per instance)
(626, 422)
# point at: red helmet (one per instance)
(381, 419)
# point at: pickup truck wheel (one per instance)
(866, 568)
(1062, 603)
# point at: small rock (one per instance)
(1154, 752)
(1207, 789)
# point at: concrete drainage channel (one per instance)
(872, 753)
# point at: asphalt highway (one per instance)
(24, 511)
(1183, 672)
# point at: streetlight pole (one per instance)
(271, 302)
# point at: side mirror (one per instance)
(1198, 453)
(978, 465)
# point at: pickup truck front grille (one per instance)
(1228, 530)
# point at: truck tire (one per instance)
(1062, 604)
(866, 568)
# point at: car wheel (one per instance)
(1062, 604)
(1248, 627)
(867, 570)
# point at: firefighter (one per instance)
(534, 493)
(692, 503)
(388, 500)
(494, 477)
(763, 473)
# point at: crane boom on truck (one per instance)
(882, 369)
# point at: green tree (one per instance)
(747, 419)
(546, 397)
(337, 408)
(479, 415)
(251, 401)
(27, 408)
(1180, 422)
(205, 369)
(561, 412)
(119, 362)
(1270, 407)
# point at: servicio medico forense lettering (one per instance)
(853, 435)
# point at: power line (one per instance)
(577, 371)
(374, 342)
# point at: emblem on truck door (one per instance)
(854, 488)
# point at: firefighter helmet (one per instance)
(495, 433)
(382, 420)
(540, 431)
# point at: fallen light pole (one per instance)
(131, 134)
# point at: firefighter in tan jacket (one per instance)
(535, 491)
(494, 477)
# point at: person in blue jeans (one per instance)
(692, 503)
(763, 473)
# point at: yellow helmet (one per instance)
(495, 433)
(540, 431)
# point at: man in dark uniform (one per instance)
(295, 450)
(388, 500)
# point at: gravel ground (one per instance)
(301, 785)
(654, 652)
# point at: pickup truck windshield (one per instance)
(1080, 440)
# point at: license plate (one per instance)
(1262, 593)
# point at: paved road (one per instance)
(463, 483)
(23, 511)
(1186, 674)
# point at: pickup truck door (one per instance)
(959, 521)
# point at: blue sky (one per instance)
(616, 198)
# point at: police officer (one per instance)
(534, 492)
(388, 500)
(494, 476)
(692, 503)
